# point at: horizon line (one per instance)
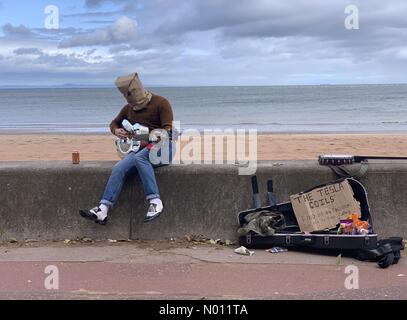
(90, 86)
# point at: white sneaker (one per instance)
(154, 210)
(93, 214)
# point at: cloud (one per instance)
(16, 31)
(198, 42)
(104, 22)
(27, 51)
(402, 54)
(120, 48)
(219, 14)
(21, 32)
(127, 5)
(323, 20)
(34, 59)
(92, 14)
(90, 52)
(122, 31)
(93, 3)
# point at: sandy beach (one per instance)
(28, 147)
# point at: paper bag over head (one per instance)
(133, 90)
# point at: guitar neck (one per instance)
(362, 158)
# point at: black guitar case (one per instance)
(363, 247)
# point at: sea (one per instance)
(276, 109)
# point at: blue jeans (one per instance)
(130, 164)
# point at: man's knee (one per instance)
(117, 169)
(141, 157)
(121, 167)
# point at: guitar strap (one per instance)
(343, 171)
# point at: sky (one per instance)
(202, 42)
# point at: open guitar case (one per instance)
(363, 247)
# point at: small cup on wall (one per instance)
(75, 157)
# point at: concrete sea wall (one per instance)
(40, 200)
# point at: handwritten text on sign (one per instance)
(323, 207)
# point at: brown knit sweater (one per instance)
(156, 115)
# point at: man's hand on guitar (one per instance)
(121, 133)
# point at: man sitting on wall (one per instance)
(149, 110)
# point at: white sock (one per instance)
(158, 202)
(102, 214)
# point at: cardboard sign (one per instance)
(323, 207)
